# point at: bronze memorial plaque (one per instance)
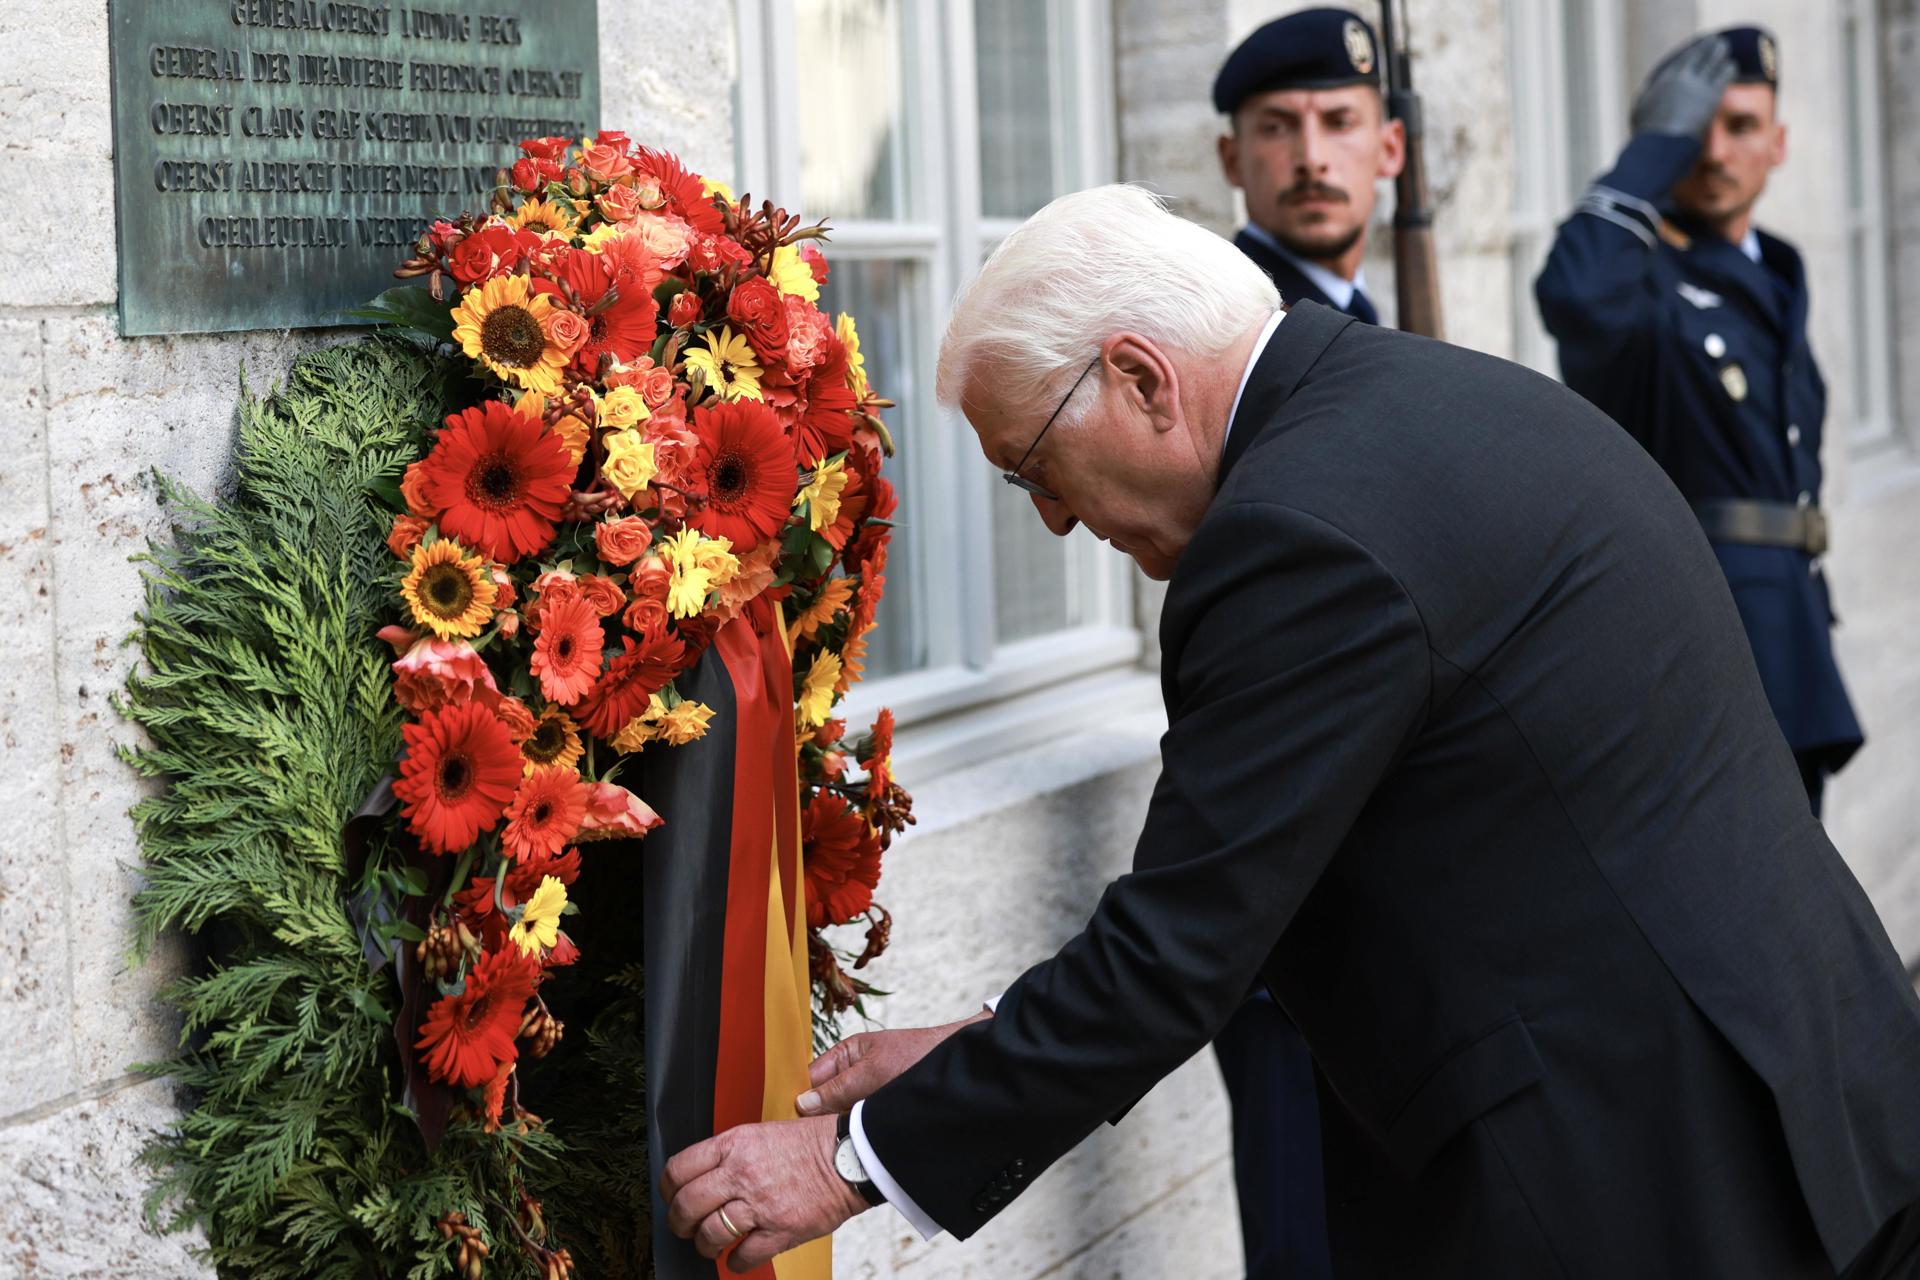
(275, 159)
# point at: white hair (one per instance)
(1089, 265)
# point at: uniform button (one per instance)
(1805, 499)
(1716, 345)
(1793, 435)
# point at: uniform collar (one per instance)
(1279, 368)
(1338, 292)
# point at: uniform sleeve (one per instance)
(1599, 289)
(1300, 670)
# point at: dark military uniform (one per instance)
(1294, 284)
(1702, 355)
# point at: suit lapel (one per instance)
(1295, 347)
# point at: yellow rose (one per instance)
(630, 464)
(623, 407)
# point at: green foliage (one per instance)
(267, 704)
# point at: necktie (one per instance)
(1361, 309)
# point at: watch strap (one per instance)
(843, 1133)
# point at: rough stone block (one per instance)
(74, 1193)
(670, 91)
(34, 979)
(55, 111)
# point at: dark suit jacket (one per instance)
(1468, 757)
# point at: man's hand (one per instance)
(775, 1182)
(858, 1065)
(1682, 95)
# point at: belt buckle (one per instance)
(1816, 530)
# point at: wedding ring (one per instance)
(727, 1222)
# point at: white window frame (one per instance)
(1873, 427)
(949, 501)
(1542, 36)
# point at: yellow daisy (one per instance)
(817, 690)
(448, 592)
(502, 324)
(547, 217)
(849, 336)
(726, 364)
(715, 187)
(595, 241)
(539, 923)
(821, 494)
(687, 588)
(791, 274)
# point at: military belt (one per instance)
(1764, 524)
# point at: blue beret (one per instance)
(1312, 49)
(1756, 55)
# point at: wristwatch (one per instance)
(846, 1163)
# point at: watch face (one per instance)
(846, 1162)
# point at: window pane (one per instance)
(885, 296)
(852, 118)
(1019, 124)
(1035, 585)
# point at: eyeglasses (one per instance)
(1014, 477)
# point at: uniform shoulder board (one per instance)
(1701, 298)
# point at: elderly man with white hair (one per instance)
(1467, 759)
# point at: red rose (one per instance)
(685, 310)
(614, 138)
(816, 262)
(487, 253)
(546, 148)
(567, 330)
(622, 541)
(756, 310)
(530, 175)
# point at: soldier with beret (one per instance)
(1308, 137)
(1688, 325)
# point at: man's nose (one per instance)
(1311, 161)
(1054, 514)
(1719, 144)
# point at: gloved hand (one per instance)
(1682, 94)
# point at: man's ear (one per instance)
(1229, 148)
(1779, 156)
(1145, 378)
(1393, 147)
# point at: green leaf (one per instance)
(368, 1004)
(410, 308)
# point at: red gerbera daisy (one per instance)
(466, 1038)
(497, 479)
(842, 856)
(460, 770)
(686, 194)
(745, 471)
(633, 677)
(546, 813)
(826, 428)
(566, 655)
(624, 329)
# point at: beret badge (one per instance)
(1359, 47)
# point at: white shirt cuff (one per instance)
(896, 1195)
(993, 1002)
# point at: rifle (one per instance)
(1416, 276)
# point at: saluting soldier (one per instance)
(1688, 325)
(1307, 139)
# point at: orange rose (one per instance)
(651, 578)
(656, 387)
(567, 330)
(619, 204)
(622, 541)
(604, 594)
(413, 487)
(605, 162)
(646, 616)
(406, 534)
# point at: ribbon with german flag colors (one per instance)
(728, 1013)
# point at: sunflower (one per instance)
(842, 859)
(545, 217)
(726, 364)
(502, 324)
(498, 480)
(459, 772)
(815, 698)
(466, 1039)
(555, 740)
(545, 814)
(821, 494)
(745, 470)
(539, 924)
(566, 656)
(447, 591)
(630, 680)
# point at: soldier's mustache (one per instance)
(1312, 191)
